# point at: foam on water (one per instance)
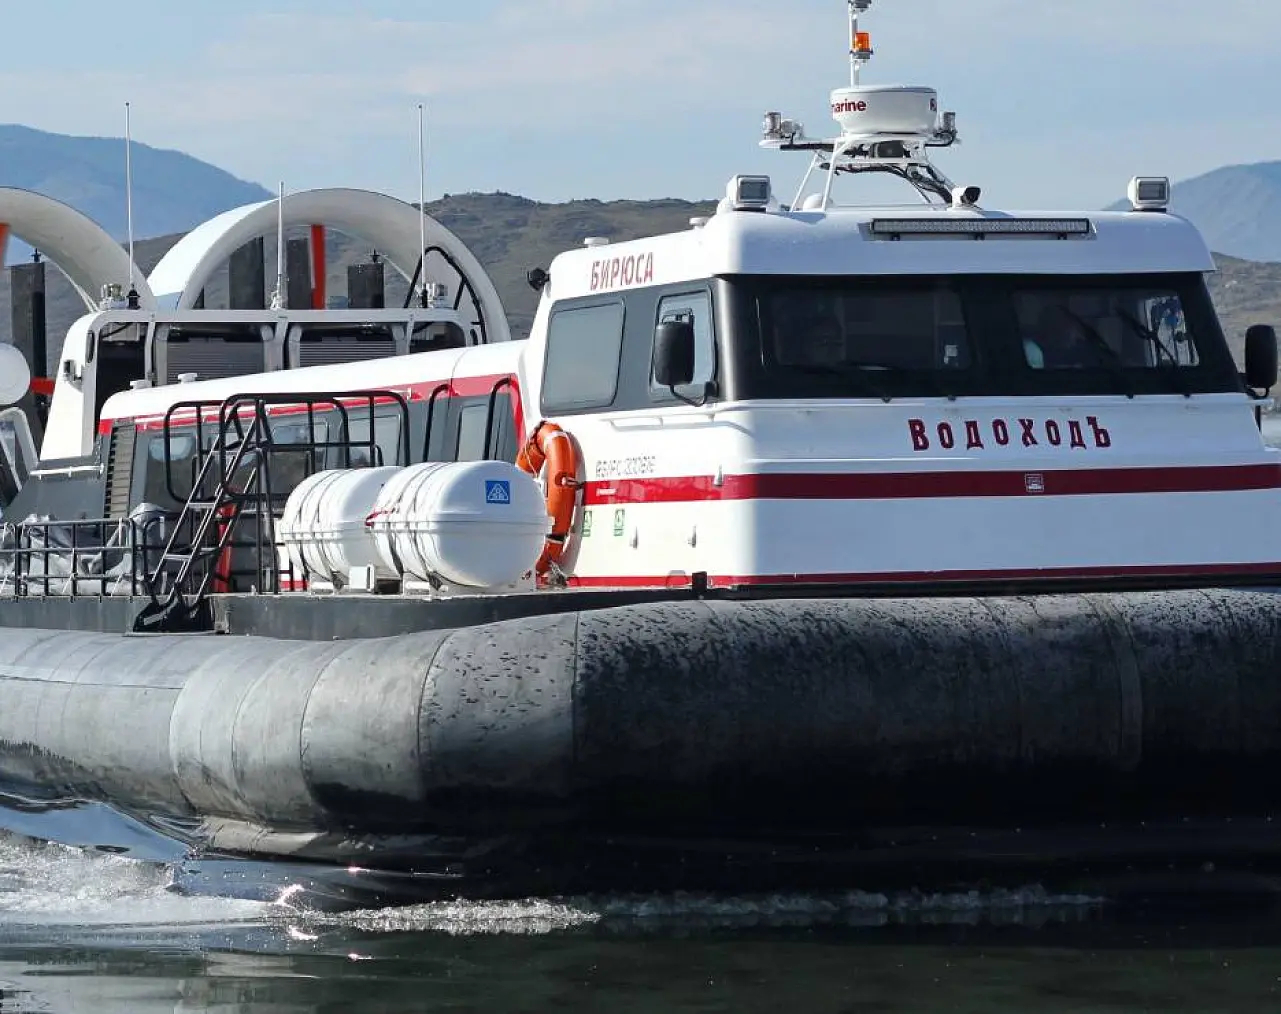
(1025, 906)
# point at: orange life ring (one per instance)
(552, 446)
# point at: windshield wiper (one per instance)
(933, 376)
(1100, 344)
(1148, 334)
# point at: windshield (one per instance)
(977, 335)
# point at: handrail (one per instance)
(431, 417)
(505, 382)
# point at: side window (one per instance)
(471, 431)
(388, 429)
(180, 470)
(473, 421)
(583, 348)
(696, 307)
(387, 434)
(293, 457)
(433, 435)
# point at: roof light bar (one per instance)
(982, 226)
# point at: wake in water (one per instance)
(1031, 906)
(47, 886)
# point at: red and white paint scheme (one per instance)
(844, 396)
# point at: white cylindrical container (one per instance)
(323, 527)
(475, 524)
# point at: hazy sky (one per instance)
(1060, 102)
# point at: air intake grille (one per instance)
(213, 359)
(344, 350)
(120, 470)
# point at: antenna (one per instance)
(133, 288)
(860, 42)
(280, 299)
(422, 212)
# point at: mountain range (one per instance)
(172, 192)
(1237, 207)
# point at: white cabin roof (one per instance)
(840, 242)
(393, 373)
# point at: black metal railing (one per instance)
(101, 557)
(465, 286)
(233, 484)
(235, 500)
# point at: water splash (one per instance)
(47, 884)
(528, 917)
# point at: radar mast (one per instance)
(883, 128)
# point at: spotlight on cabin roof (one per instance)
(1149, 193)
(750, 193)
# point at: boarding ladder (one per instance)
(202, 533)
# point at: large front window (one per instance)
(936, 336)
(913, 329)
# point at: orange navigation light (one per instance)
(862, 42)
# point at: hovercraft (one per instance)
(813, 536)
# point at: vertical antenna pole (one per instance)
(422, 212)
(133, 288)
(281, 300)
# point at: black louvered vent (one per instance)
(213, 358)
(120, 469)
(344, 350)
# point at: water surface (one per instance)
(85, 932)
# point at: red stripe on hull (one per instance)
(925, 485)
(936, 577)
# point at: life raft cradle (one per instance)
(551, 446)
